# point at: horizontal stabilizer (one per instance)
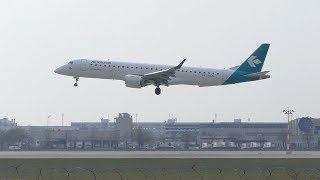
(261, 75)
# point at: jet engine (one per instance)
(134, 81)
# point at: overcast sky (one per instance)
(38, 36)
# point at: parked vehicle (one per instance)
(79, 144)
(14, 148)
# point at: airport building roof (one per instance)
(244, 125)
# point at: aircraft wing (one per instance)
(162, 77)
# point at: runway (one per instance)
(156, 154)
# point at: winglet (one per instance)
(180, 65)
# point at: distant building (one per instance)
(68, 137)
(174, 130)
(245, 132)
(123, 124)
(305, 133)
(5, 124)
(103, 124)
(157, 128)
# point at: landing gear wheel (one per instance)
(76, 83)
(157, 91)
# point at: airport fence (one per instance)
(193, 172)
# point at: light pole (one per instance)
(48, 117)
(62, 119)
(288, 112)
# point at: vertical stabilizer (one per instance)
(255, 61)
(250, 70)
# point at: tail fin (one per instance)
(255, 62)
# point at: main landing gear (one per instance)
(157, 90)
(76, 83)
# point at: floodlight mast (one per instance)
(288, 112)
(62, 119)
(48, 117)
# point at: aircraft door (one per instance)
(83, 65)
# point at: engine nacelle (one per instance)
(134, 81)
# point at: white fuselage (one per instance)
(118, 70)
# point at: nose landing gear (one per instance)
(76, 83)
(157, 90)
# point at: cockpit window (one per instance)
(70, 62)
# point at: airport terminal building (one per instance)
(171, 134)
(305, 133)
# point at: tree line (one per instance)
(15, 136)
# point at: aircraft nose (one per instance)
(59, 70)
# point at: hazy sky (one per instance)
(38, 36)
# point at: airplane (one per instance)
(138, 75)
